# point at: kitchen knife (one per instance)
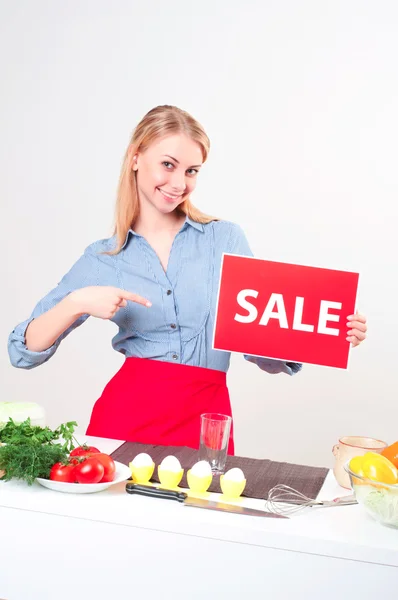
(156, 492)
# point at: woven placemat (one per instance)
(261, 474)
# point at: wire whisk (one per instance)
(285, 500)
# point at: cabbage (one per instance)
(20, 411)
(383, 504)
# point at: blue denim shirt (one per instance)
(179, 325)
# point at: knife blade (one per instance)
(157, 492)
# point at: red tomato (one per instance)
(89, 471)
(84, 450)
(109, 466)
(65, 473)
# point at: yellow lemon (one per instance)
(378, 468)
(356, 465)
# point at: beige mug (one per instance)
(348, 447)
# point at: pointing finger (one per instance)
(134, 298)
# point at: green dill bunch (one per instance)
(29, 460)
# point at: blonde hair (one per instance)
(158, 122)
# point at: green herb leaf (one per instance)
(13, 433)
(32, 450)
(28, 461)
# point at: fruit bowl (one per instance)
(380, 500)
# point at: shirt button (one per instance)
(168, 292)
(173, 325)
(175, 356)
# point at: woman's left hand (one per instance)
(357, 329)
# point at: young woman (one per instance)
(157, 280)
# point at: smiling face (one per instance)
(166, 171)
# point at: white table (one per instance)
(56, 546)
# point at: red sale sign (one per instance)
(284, 311)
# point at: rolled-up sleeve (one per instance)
(239, 245)
(83, 273)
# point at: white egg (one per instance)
(201, 469)
(142, 460)
(171, 463)
(234, 475)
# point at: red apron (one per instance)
(160, 403)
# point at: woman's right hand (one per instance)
(103, 301)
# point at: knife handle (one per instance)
(153, 492)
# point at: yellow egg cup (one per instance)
(170, 479)
(141, 474)
(232, 489)
(199, 485)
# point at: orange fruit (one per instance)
(391, 452)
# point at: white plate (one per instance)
(122, 473)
